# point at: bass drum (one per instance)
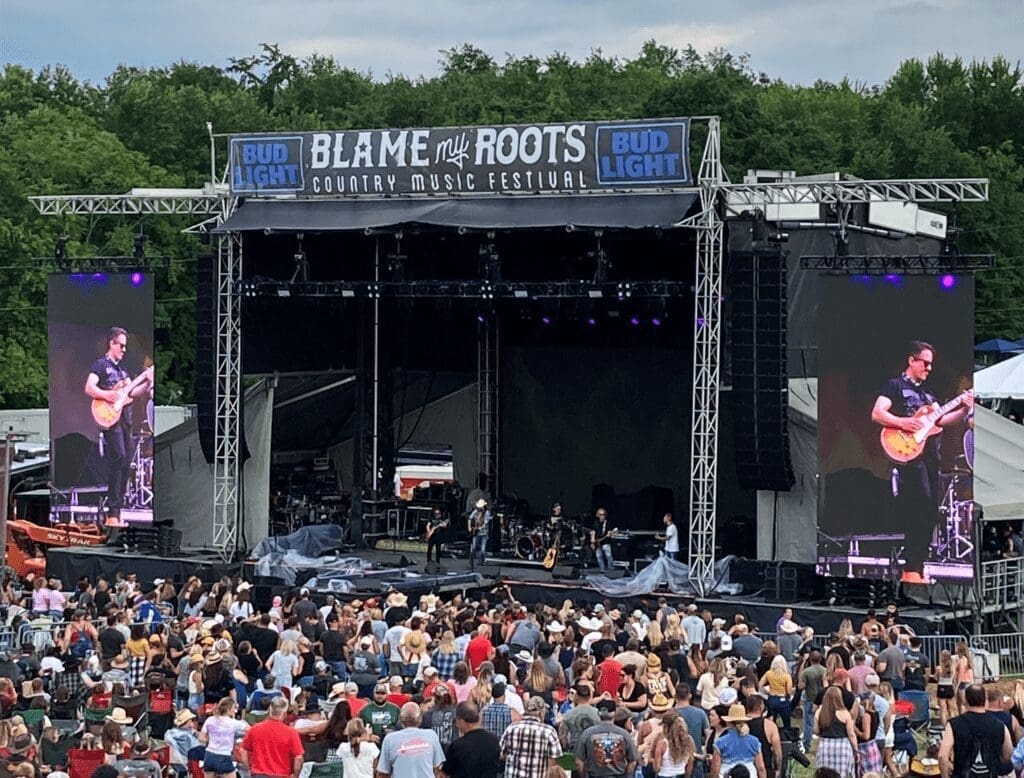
(525, 547)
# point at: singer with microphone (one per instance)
(902, 406)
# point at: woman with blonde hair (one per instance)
(445, 655)
(673, 628)
(837, 735)
(360, 753)
(675, 750)
(780, 689)
(655, 637)
(481, 693)
(711, 684)
(845, 630)
(285, 665)
(218, 734)
(945, 686)
(538, 683)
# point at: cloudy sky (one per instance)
(797, 40)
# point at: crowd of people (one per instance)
(120, 677)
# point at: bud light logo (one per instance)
(642, 154)
(266, 165)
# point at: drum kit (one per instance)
(531, 542)
(138, 492)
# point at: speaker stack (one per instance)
(760, 388)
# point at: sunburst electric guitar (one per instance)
(901, 446)
(107, 414)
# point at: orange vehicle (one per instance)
(27, 543)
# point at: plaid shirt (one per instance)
(527, 748)
(496, 718)
(445, 663)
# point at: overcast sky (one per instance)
(796, 40)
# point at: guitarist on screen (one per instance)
(105, 375)
(915, 483)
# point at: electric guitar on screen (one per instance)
(902, 446)
(107, 414)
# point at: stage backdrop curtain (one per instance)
(184, 480)
(628, 211)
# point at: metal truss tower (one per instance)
(487, 378)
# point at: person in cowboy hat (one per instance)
(736, 746)
(182, 738)
(478, 526)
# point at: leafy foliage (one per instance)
(944, 117)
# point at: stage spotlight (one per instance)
(139, 249)
(591, 321)
(948, 281)
(136, 279)
(545, 320)
(634, 321)
(659, 311)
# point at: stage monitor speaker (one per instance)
(566, 572)
(435, 568)
(206, 360)
(760, 380)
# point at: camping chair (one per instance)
(921, 716)
(95, 718)
(57, 754)
(33, 718)
(82, 762)
(326, 770)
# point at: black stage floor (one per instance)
(529, 583)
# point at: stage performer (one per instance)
(479, 530)
(600, 537)
(104, 375)
(670, 538)
(915, 485)
(437, 526)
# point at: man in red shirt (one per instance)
(480, 649)
(395, 693)
(348, 692)
(271, 749)
(611, 672)
(432, 681)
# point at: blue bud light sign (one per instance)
(642, 154)
(267, 164)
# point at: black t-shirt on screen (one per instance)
(109, 374)
(907, 398)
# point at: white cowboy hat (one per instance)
(481, 503)
(556, 626)
(789, 626)
(525, 656)
(243, 587)
(588, 623)
(119, 716)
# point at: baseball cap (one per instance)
(536, 705)
(871, 679)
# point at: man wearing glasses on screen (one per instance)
(112, 391)
(912, 422)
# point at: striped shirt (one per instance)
(527, 748)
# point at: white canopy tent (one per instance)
(1002, 380)
(787, 521)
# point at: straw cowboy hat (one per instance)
(183, 717)
(660, 703)
(737, 714)
(338, 690)
(653, 662)
(415, 642)
(397, 599)
(213, 658)
(119, 716)
(429, 602)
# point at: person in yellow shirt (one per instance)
(779, 684)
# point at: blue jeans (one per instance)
(477, 549)
(604, 557)
(340, 670)
(808, 722)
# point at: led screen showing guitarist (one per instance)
(113, 391)
(912, 422)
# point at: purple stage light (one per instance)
(656, 321)
(948, 281)
(136, 279)
(635, 321)
(700, 321)
(101, 277)
(545, 320)
(592, 322)
(481, 318)
(892, 278)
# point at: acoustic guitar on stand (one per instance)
(107, 414)
(901, 446)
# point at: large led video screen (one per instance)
(895, 427)
(101, 384)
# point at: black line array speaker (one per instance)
(760, 388)
(206, 360)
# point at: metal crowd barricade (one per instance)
(1002, 582)
(996, 655)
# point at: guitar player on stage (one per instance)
(600, 536)
(437, 526)
(104, 376)
(915, 484)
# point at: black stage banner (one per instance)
(526, 158)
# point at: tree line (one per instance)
(940, 118)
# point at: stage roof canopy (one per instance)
(610, 211)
